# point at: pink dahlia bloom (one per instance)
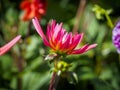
(6, 47)
(60, 41)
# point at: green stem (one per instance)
(28, 31)
(52, 82)
(109, 20)
(119, 59)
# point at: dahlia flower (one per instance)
(116, 37)
(33, 8)
(60, 41)
(6, 47)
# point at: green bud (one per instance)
(62, 66)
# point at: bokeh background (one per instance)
(24, 67)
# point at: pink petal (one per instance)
(49, 34)
(53, 24)
(57, 29)
(66, 41)
(80, 38)
(58, 39)
(60, 35)
(39, 30)
(6, 47)
(76, 40)
(83, 49)
(91, 46)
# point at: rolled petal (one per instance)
(91, 46)
(38, 27)
(53, 24)
(57, 29)
(6, 47)
(83, 49)
(39, 30)
(76, 40)
(66, 42)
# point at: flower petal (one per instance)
(24, 4)
(91, 46)
(6, 47)
(39, 30)
(76, 40)
(57, 29)
(83, 49)
(66, 40)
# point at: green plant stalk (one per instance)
(119, 59)
(52, 85)
(109, 20)
(52, 81)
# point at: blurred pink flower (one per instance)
(6, 47)
(60, 41)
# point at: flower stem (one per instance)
(55, 78)
(52, 82)
(78, 15)
(119, 59)
(109, 20)
(19, 83)
(19, 63)
(28, 31)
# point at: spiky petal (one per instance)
(9, 45)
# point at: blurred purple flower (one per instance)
(116, 36)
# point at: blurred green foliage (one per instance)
(98, 69)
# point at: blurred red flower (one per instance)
(33, 8)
